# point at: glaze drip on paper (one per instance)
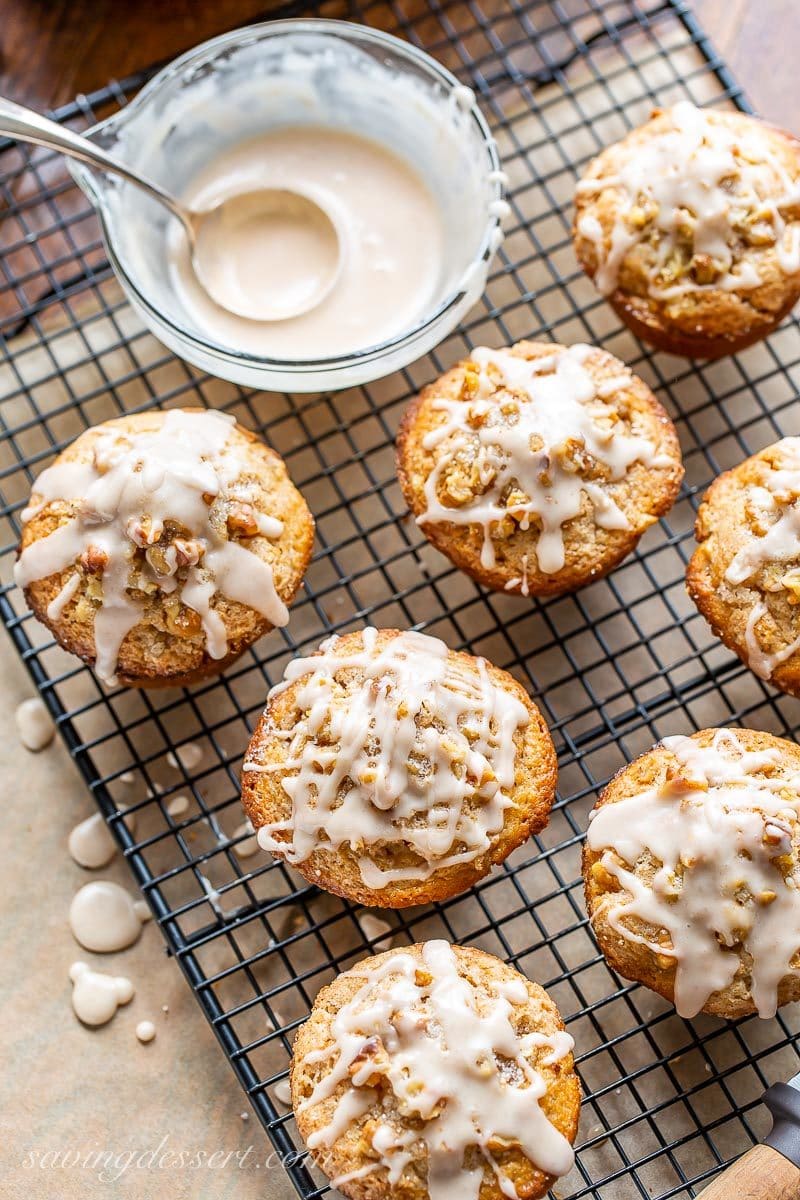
(541, 438)
(722, 825)
(135, 488)
(456, 1066)
(419, 752)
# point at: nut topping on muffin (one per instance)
(691, 225)
(692, 872)
(439, 1071)
(531, 449)
(156, 509)
(392, 770)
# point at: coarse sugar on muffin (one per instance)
(393, 771)
(692, 871)
(690, 226)
(160, 545)
(436, 1071)
(744, 575)
(537, 468)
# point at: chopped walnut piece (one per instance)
(94, 560)
(144, 531)
(185, 623)
(604, 878)
(242, 521)
(373, 1055)
(703, 269)
(188, 551)
(678, 785)
(163, 560)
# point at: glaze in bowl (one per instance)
(281, 73)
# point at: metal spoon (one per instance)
(274, 220)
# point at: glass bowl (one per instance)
(282, 73)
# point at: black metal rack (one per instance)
(614, 667)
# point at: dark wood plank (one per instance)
(760, 39)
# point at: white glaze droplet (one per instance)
(95, 995)
(35, 726)
(105, 917)
(283, 1093)
(178, 806)
(91, 844)
(145, 1031)
(374, 927)
(250, 845)
(187, 756)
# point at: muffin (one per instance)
(536, 469)
(160, 545)
(392, 771)
(692, 869)
(436, 1071)
(690, 226)
(744, 575)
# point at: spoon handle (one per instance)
(24, 124)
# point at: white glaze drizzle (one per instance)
(716, 830)
(385, 773)
(135, 484)
(777, 500)
(556, 405)
(458, 1067)
(702, 174)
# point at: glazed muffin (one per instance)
(536, 469)
(161, 545)
(692, 869)
(744, 575)
(690, 226)
(392, 771)
(436, 1071)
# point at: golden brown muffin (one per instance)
(393, 771)
(692, 867)
(690, 226)
(536, 469)
(745, 574)
(426, 1063)
(161, 545)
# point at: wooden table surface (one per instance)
(66, 1088)
(52, 49)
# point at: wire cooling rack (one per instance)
(614, 667)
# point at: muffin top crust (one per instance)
(397, 756)
(523, 454)
(745, 574)
(436, 1071)
(712, 199)
(693, 859)
(168, 509)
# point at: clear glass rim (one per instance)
(265, 29)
